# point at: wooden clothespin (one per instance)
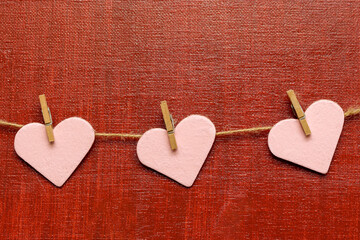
(47, 118)
(169, 123)
(298, 111)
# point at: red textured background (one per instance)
(112, 62)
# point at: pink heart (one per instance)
(288, 141)
(194, 135)
(55, 161)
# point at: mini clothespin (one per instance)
(298, 111)
(169, 123)
(47, 118)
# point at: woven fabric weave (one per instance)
(112, 62)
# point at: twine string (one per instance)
(348, 113)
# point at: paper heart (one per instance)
(55, 161)
(194, 135)
(288, 141)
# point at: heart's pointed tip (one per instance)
(59, 185)
(188, 185)
(186, 182)
(324, 171)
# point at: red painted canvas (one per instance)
(112, 62)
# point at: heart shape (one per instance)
(194, 135)
(288, 141)
(55, 161)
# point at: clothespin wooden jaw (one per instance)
(298, 111)
(169, 123)
(47, 118)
